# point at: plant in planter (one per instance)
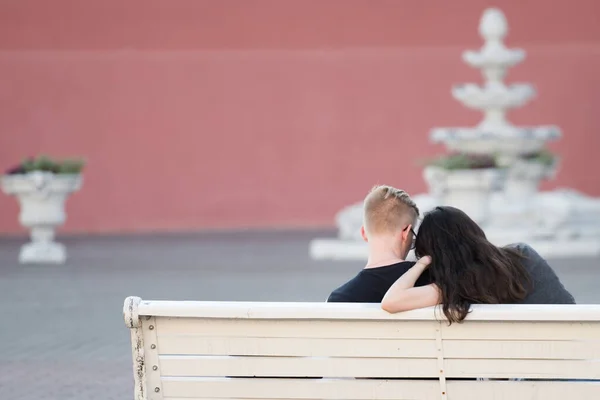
(465, 181)
(526, 173)
(461, 161)
(42, 185)
(543, 157)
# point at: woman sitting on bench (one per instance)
(465, 269)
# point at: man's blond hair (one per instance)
(388, 210)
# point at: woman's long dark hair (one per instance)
(466, 267)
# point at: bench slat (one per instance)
(542, 369)
(355, 311)
(465, 390)
(306, 389)
(315, 347)
(231, 366)
(379, 329)
(298, 328)
(524, 390)
(522, 330)
(523, 349)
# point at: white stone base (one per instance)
(335, 249)
(43, 253)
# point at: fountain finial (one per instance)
(493, 25)
(494, 98)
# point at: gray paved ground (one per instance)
(61, 332)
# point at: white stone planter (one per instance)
(468, 189)
(524, 179)
(42, 198)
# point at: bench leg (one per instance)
(133, 322)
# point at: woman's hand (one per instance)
(425, 261)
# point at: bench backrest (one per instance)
(216, 350)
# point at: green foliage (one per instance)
(71, 166)
(45, 163)
(464, 161)
(544, 157)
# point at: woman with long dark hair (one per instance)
(465, 268)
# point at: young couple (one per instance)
(456, 266)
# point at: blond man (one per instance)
(388, 228)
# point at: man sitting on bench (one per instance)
(389, 219)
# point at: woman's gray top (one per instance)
(546, 287)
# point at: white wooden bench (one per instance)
(216, 350)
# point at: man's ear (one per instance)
(363, 233)
(405, 233)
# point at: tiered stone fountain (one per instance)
(505, 201)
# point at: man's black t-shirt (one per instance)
(371, 284)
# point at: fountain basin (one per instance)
(507, 140)
(493, 95)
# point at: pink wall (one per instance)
(237, 113)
